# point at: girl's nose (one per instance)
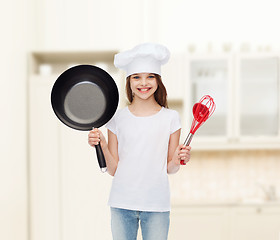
(143, 81)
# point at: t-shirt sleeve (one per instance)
(175, 122)
(111, 125)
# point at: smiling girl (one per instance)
(142, 148)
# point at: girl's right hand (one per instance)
(95, 137)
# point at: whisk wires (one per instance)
(202, 111)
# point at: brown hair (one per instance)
(160, 94)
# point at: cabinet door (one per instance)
(84, 189)
(258, 95)
(173, 76)
(199, 223)
(211, 76)
(256, 223)
(44, 162)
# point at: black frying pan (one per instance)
(84, 97)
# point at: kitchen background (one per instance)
(51, 187)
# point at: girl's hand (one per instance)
(182, 153)
(95, 137)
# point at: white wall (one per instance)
(124, 23)
(87, 24)
(13, 160)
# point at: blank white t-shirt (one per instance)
(141, 180)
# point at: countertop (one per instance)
(255, 202)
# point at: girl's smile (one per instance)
(143, 90)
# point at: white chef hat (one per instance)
(146, 57)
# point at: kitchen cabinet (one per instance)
(173, 75)
(255, 222)
(246, 90)
(225, 222)
(199, 223)
(44, 162)
(68, 193)
(258, 96)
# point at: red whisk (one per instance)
(201, 112)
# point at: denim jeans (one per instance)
(125, 223)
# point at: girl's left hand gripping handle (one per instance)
(101, 158)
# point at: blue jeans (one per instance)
(125, 223)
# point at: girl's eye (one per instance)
(151, 76)
(135, 77)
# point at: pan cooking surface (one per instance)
(85, 103)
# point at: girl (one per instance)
(143, 147)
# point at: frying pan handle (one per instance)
(101, 158)
(187, 143)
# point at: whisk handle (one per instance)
(187, 143)
(188, 139)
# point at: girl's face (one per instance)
(143, 85)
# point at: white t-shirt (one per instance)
(141, 180)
